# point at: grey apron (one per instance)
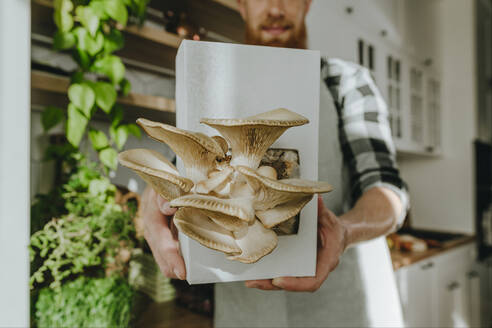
(360, 292)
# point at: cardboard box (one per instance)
(220, 80)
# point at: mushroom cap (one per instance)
(250, 137)
(222, 143)
(198, 151)
(238, 207)
(255, 242)
(276, 117)
(297, 186)
(199, 227)
(157, 171)
(282, 212)
(228, 222)
(267, 171)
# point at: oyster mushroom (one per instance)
(198, 151)
(228, 222)
(156, 170)
(222, 143)
(287, 197)
(250, 137)
(198, 226)
(237, 207)
(280, 213)
(216, 181)
(267, 171)
(255, 242)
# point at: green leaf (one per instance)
(81, 34)
(88, 18)
(116, 10)
(98, 139)
(108, 157)
(77, 77)
(83, 97)
(116, 115)
(94, 45)
(87, 43)
(98, 8)
(76, 125)
(113, 41)
(134, 129)
(63, 40)
(125, 87)
(105, 95)
(51, 117)
(119, 135)
(82, 58)
(62, 16)
(110, 66)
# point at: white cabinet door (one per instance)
(416, 284)
(433, 116)
(474, 299)
(453, 286)
(453, 301)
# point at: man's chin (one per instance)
(285, 41)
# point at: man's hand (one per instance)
(331, 244)
(161, 234)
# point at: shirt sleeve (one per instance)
(364, 131)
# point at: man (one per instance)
(357, 157)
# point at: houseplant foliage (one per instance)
(90, 30)
(82, 238)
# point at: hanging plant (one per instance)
(91, 31)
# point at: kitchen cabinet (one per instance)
(375, 35)
(413, 282)
(443, 291)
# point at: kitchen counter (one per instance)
(402, 258)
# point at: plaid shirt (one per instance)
(364, 130)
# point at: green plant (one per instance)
(96, 233)
(82, 239)
(90, 29)
(86, 302)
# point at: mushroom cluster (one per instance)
(226, 202)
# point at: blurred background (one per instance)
(74, 80)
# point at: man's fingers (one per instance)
(167, 254)
(264, 284)
(294, 284)
(159, 236)
(164, 206)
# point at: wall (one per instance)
(14, 159)
(441, 188)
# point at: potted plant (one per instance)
(82, 234)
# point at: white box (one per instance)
(220, 80)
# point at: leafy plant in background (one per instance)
(82, 238)
(91, 31)
(97, 233)
(87, 302)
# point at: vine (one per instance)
(91, 31)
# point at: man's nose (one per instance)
(276, 8)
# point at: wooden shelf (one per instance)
(149, 45)
(231, 4)
(54, 83)
(155, 35)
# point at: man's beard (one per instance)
(297, 39)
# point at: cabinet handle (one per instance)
(454, 285)
(427, 266)
(472, 274)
